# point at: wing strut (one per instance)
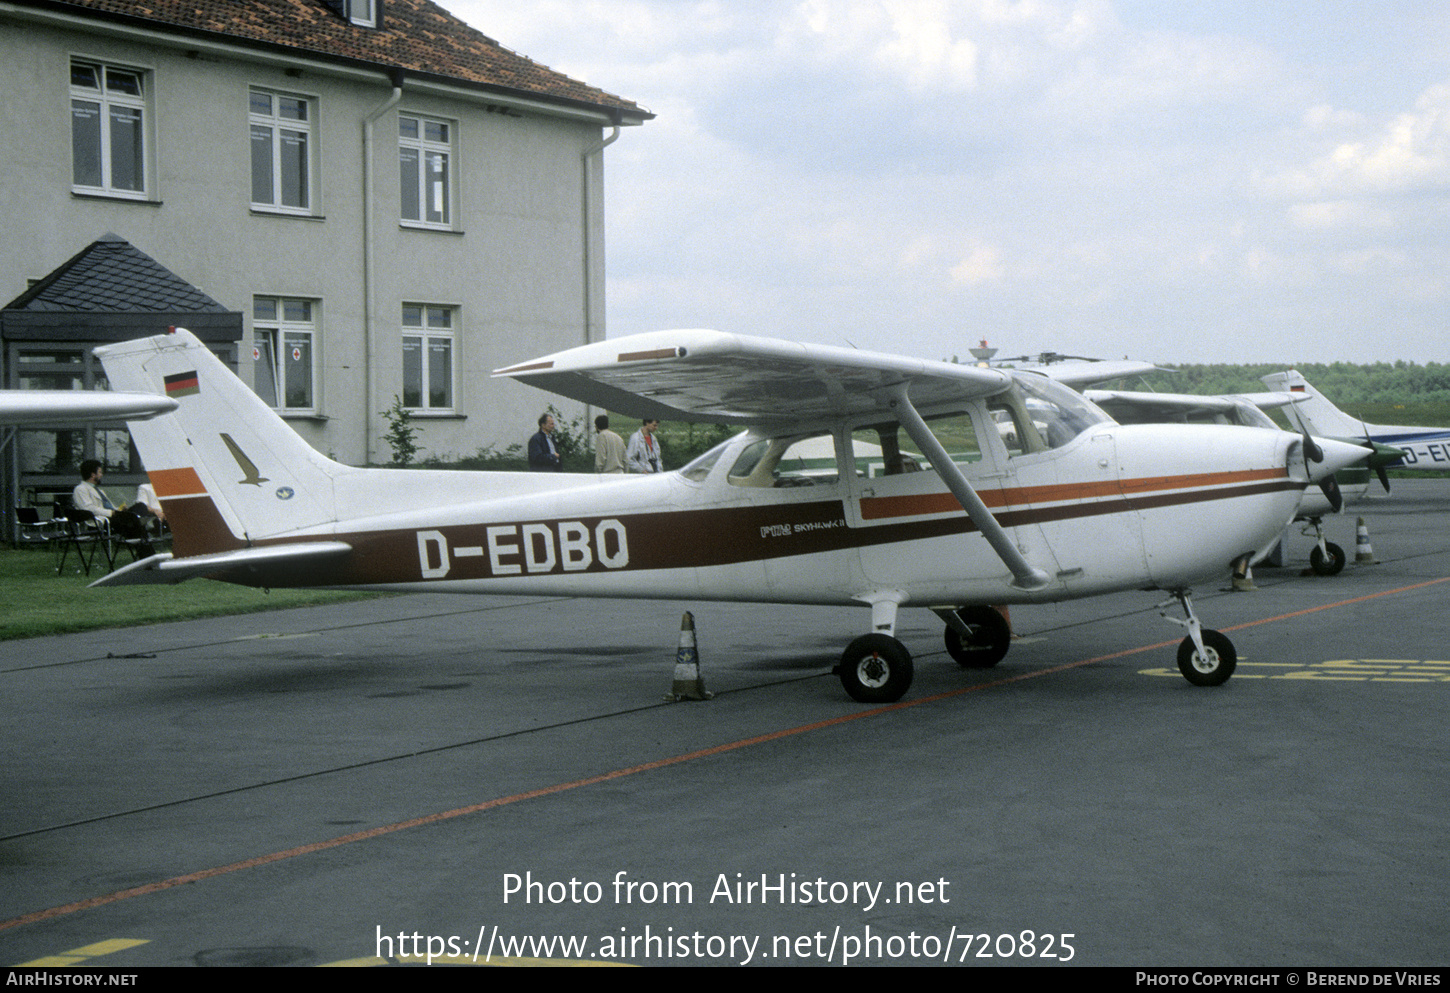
(1025, 576)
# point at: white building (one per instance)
(392, 202)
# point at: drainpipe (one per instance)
(369, 262)
(587, 158)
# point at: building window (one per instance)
(282, 173)
(425, 153)
(108, 130)
(427, 357)
(363, 12)
(284, 337)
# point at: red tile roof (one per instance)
(416, 36)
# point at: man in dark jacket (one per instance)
(543, 456)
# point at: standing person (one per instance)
(608, 448)
(644, 449)
(543, 456)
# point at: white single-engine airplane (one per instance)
(1075, 506)
(1421, 448)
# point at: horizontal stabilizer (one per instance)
(163, 568)
(57, 406)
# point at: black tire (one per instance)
(876, 668)
(1330, 566)
(991, 637)
(1212, 671)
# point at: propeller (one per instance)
(1328, 485)
(1312, 451)
(1381, 457)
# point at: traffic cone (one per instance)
(1363, 553)
(688, 684)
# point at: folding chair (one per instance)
(33, 530)
(87, 534)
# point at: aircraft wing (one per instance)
(1181, 404)
(53, 406)
(699, 375)
(1080, 374)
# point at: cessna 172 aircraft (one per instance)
(1421, 447)
(1075, 506)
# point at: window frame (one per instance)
(363, 13)
(424, 148)
(429, 336)
(282, 332)
(277, 125)
(108, 102)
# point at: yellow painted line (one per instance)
(77, 955)
(1339, 670)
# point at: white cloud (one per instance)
(982, 264)
(1134, 174)
(1409, 153)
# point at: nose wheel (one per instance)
(1206, 657)
(1213, 665)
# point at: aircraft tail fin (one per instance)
(1315, 414)
(227, 469)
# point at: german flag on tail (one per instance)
(182, 384)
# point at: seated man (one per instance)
(88, 495)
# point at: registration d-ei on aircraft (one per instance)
(1420, 448)
(950, 517)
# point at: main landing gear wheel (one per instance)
(990, 638)
(1329, 566)
(876, 668)
(1211, 669)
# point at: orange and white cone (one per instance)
(688, 684)
(1363, 552)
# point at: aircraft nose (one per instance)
(1337, 455)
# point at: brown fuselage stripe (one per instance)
(683, 539)
(877, 508)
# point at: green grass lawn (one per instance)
(35, 601)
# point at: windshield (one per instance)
(1058, 413)
(700, 467)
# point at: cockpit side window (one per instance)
(885, 449)
(808, 460)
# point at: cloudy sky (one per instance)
(1218, 181)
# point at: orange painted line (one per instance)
(875, 508)
(177, 482)
(386, 829)
(1340, 603)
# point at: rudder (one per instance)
(228, 470)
